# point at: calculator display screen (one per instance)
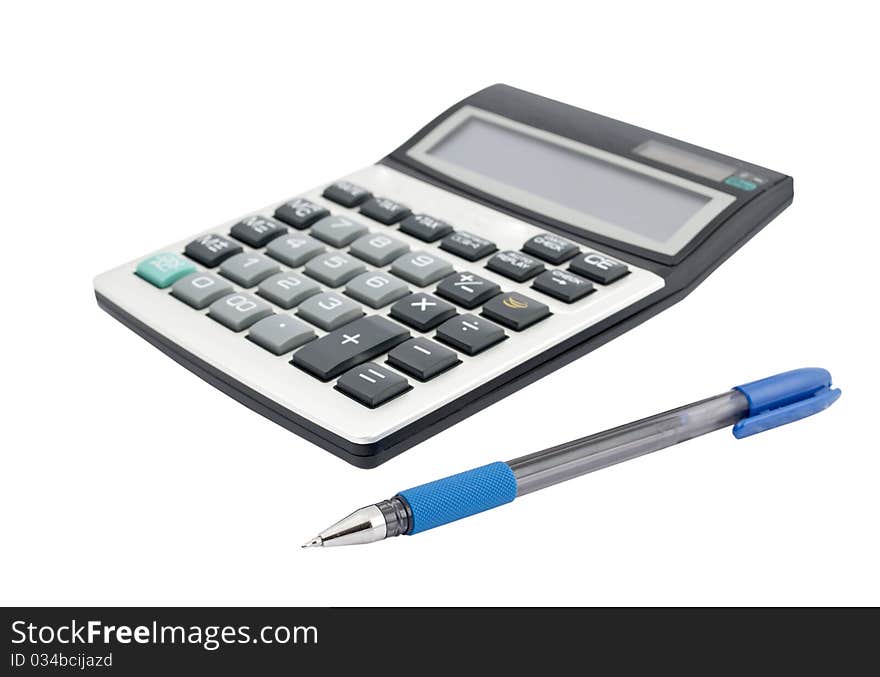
(574, 183)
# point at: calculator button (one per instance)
(334, 268)
(563, 285)
(288, 289)
(384, 210)
(239, 311)
(425, 227)
(422, 311)
(515, 311)
(376, 289)
(300, 213)
(353, 344)
(550, 248)
(163, 270)
(470, 334)
(280, 334)
(515, 265)
(257, 231)
(422, 358)
(372, 385)
(200, 290)
(421, 268)
(467, 245)
(211, 250)
(598, 268)
(467, 290)
(329, 310)
(247, 269)
(346, 194)
(338, 231)
(294, 250)
(380, 250)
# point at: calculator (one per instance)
(509, 236)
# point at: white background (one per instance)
(127, 480)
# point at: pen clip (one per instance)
(785, 398)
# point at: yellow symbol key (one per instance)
(514, 304)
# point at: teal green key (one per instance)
(163, 270)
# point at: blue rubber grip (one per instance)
(457, 496)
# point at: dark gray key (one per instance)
(380, 250)
(421, 268)
(424, 227)
(257, 231)
(515, 265)
(346, 193)
(563, 285)
(376, 289)
(422, 358)
(329, 310)
(288, 289)
(516, 311)
(598, 267)
(294, 250)
(239, 311)
(372, 385)
(338, 231)
(300, 213)
(467, 290)
(353, 344)
(334, 268)
(280, 334)
(422, 311)
(470, 334)
(248, 269)
(211, 250)
(550, 248)
(384, 210)
(467, 245)
(200, 290)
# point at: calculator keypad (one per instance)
(239, 311)
(338, 231)
(334, 269)
(248, 269)
(353, 344)
(200, 290)
(211, 250)
(470, 334)
(329, 310)
(300, 213)
(257, 231)
(287, 290)
(467, 289)
(429, 307)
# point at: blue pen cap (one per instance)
(784, 398)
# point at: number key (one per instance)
(288, 289)
(248, 269)
(338, 231)
(329, 311)
(200, 290)
(239, 311)
(333, 268)
(421, 268)
(379, 250)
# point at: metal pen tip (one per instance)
(316, 542)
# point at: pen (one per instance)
(751, 408)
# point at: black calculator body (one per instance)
(509, 236)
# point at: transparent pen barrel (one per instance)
(588, 454)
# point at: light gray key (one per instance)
(248, 269)
(376, 289)
(280, 333)
(329, 310)
(239, 311)
(200, 290)
(288, 289)
(378, 249)
(338, 230)
(421, 268)
(294, 250)
(334, 268)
